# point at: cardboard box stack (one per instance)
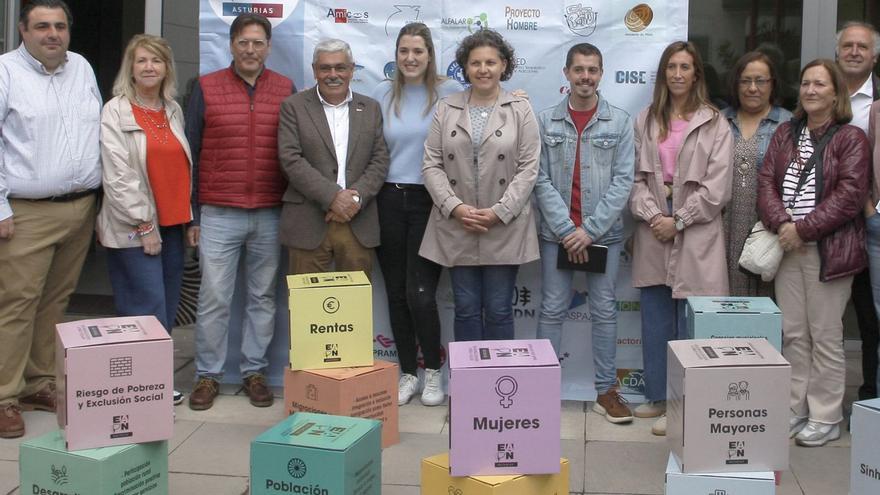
(318, 453)
(727, 412)
(734, 317)
(332, 370)
(47, 467)
(504, 421)
(865, 456)
(114, 381)
(365, 392)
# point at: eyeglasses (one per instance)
(244, 44)
(339, 68)
(759, 83)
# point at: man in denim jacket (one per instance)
(583, 185)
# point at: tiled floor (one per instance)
(210, 449)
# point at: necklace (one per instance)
(743, 170)
(149, 107)
(159, 129)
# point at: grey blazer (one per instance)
(308, 160)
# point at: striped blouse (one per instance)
(804, 202)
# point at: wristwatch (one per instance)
(356, 198)
(679, 223)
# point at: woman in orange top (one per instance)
(146, 167)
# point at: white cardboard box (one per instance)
(865, 456)
(728, 405)
(678, 483)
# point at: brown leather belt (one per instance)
(63, 198)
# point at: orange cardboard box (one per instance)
(362, 392)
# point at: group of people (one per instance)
(434, 175)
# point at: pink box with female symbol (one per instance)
(504, 408)
(115, 381)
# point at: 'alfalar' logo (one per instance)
(59, 475)
(296, 467)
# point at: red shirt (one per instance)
(580, 118)
(167, 167)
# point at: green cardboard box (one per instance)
(320, 454)
(734, 317)
(46, 467)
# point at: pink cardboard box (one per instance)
(115, 381)
(504, 408)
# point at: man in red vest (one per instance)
(232, 127)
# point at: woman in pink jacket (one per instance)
(684, 152)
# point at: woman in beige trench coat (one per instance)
(684, 152)
(480, 164)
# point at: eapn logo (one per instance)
(121, 427)
(505, 456)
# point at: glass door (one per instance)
(724, 30)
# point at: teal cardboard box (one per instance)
(319, 454)
(46, 467)
(734, 317)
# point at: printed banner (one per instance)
(631, 35)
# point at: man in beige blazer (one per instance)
(333, 153)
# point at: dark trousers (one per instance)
(410, 280)
(149, 285)
(863, 302)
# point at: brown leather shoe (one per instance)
(44, 400)
(202, 397)
(613, 407)
(256, 389)
(11, 424)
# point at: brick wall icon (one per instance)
(120, 366)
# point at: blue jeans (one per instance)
(872, 227)
(226, 235)
(556, 301)
(483, 301)
(145, 284)
(663, 319)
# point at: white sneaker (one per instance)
(407, 386)
(795, 425)
(817, 434)
(650, 409)
(177, 398)
(432, 394)
(659, 427)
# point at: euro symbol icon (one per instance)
(331, 305)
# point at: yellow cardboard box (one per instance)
(437, 481)
(331, 320)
